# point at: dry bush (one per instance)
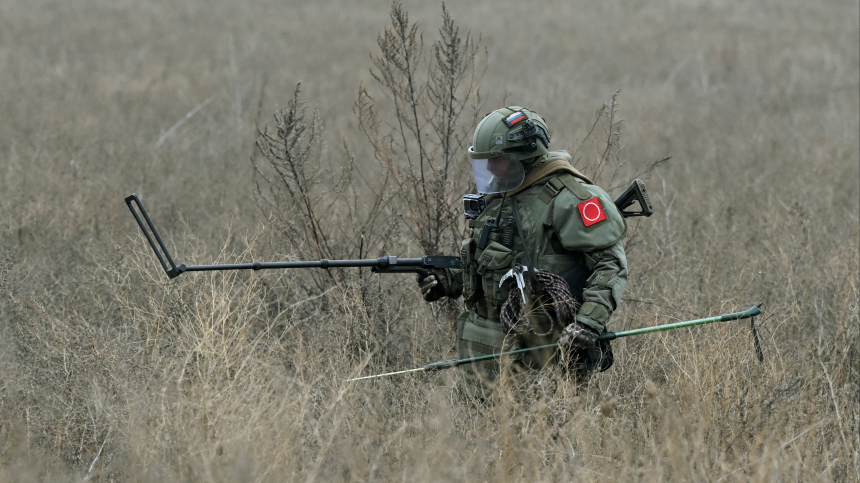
(113, 373)
(420, 134)
(322, 212)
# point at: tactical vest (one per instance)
(484, 268)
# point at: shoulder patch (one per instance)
(579, 226)
(591, 211)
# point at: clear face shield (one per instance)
(497, 175)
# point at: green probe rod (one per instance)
(436, 366)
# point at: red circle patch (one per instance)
(591, 211)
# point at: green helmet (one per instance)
(515, 131)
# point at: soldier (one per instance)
(544, 262)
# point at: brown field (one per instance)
(110, 372)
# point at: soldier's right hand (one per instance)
(433, 286)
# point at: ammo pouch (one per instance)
(493, 262)
(471, 280)
(477, 336)
(495, 257)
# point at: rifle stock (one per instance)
(634, 193)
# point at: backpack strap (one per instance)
(554, 186)
(575, 187)
(551, 189)
(558, 183)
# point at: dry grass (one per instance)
(110, 372)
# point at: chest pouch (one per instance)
(495, 257)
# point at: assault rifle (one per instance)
(634, 193)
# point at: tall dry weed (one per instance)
(421, 129)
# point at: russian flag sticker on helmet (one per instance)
(591, 211)
(514, 118)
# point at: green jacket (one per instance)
(591, 258)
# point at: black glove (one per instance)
(435, 285)
(578, 336)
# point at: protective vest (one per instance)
(555, 234)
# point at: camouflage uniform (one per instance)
(590, 258)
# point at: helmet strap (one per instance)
(531, 163)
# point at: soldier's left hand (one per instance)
(577, 336)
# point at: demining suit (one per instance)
(544, 263)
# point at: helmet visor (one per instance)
(497, 175)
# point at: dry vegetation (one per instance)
(112, 373)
